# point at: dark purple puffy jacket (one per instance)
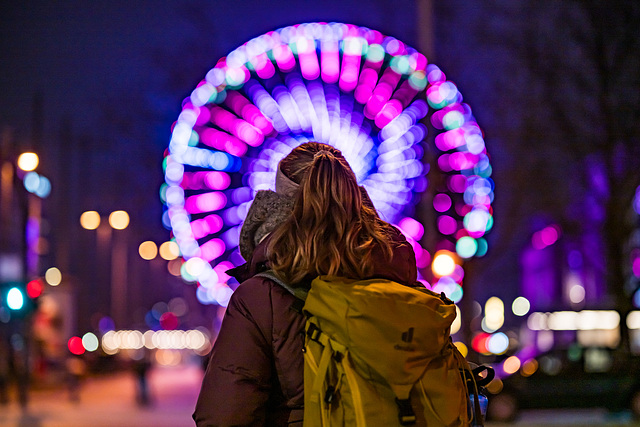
(255, 373)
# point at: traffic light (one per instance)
(19, 299)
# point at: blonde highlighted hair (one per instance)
(333, 229)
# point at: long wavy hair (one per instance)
(332, 230)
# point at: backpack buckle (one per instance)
(406, 416)
(313, 332)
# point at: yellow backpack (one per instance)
(378, 353)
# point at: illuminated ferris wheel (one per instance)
(369, 95)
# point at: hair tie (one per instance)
(323, 152)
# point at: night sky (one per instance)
(79, 53)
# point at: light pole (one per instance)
(117, 220)
(20, 265)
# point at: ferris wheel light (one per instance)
(369, 95)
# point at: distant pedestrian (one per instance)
(76, 370)
(5, 354)
(141, 369)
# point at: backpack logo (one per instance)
(407, 336)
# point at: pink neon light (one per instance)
(205, 202)
(388, 112)
(450, 139)
(373, 36)
(252, 114)
(443, 163)
(206, 226)
(248, 133)
(222, 141)
(350, 64)
(423, 258)
(438, 117)
(411, 227)
(457, 184)
(263, 65)
(418, 61)
(382, 93)
(284, 58)
(217, 180)
(221, 271)
(461, 161)
(213, 180)
(549, 235)
(447, 225)
(349, 74)
(204, 115)
(441, 202)
(308, 58)
(330, 61)
(212, 249)
(240, 128)
(636, 267)
(366, 83)
(405, 93)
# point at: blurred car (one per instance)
(571, 378)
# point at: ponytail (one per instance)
(331, 231)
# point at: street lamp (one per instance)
(117, 220)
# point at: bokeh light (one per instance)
(444, 263)
(493, 314)
(34, 288)
(75, 345)
(28, 161)
(479, 343)
(15, 299)
(119, 220)
(520, 306)
(511, 365)
(90, 220)
(457, 322)
(462, 348)
(53, 276)
(529, 367)
(148, 250)
(545, 237)
(498, 343)
(195, 339)
(90, 342)
(169, 250)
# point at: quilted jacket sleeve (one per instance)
(237, 384)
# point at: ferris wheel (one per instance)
(367, 94)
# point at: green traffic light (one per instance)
(15, 299)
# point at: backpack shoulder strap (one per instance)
(299, 292)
